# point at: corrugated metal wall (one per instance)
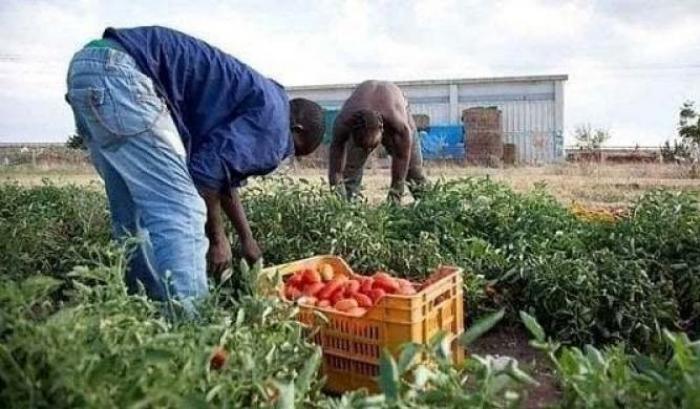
(527, 124)
(438, 113)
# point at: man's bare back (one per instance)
(381, 96)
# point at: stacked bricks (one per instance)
(509, 154)
(484, 135)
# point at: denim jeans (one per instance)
(136, 149)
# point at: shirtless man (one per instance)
(376, 112)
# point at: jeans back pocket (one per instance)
(114, 109)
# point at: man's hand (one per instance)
(231, 203)
(219, 256)
(251, 251)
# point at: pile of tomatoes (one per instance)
(325, 289)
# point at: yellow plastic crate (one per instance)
(352, 346)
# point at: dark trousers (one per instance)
(355, 163)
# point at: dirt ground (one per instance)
(592, 184)
(513, 342)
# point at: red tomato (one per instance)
(345, 304)
(356, 312)
(291, 293)
(406, 290)
(376, 295)
(351, 287)
(331, 287)
(310, 277)
(363, 300)
(307, 300)
(295, 279)
(338, 295)
(313, 289)
(389, 285)
(218, 358)
(381, 274)
(366, 285)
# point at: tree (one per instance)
(76, 141)
(679, 152)
(589, 138)
(689, 126)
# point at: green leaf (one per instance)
(421, 376)
(191, 400)
(303, 382)
(226, 275)
(594, 356)
(436, 340)
(519, 375)
(240, 316)
(388, 376)
(158, 355)
(533, 326)
(286, 396)
(270, 356)
(213, 392)
(443, 350)
(481, 327)
(407, 356)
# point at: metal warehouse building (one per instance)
(532, 109)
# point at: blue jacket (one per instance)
(233, 121)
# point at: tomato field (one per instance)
(613, 304)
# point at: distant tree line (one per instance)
(687, 146)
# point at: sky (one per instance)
(631, 64)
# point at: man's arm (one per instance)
(231, 203)
(219, 254)
(336, 159)
(400, 157)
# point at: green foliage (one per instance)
(587, 281)
(689, 126)
(680, 151)
(76, 141)
(104, 348)
(71, 336)
(50, 229)
(482, 382)
(612, 378)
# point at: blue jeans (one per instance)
(137, 151)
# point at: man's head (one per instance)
(306, 118)
(367, 128)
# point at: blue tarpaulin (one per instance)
(437, 142)
(443, 142)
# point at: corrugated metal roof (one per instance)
(457, 81)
